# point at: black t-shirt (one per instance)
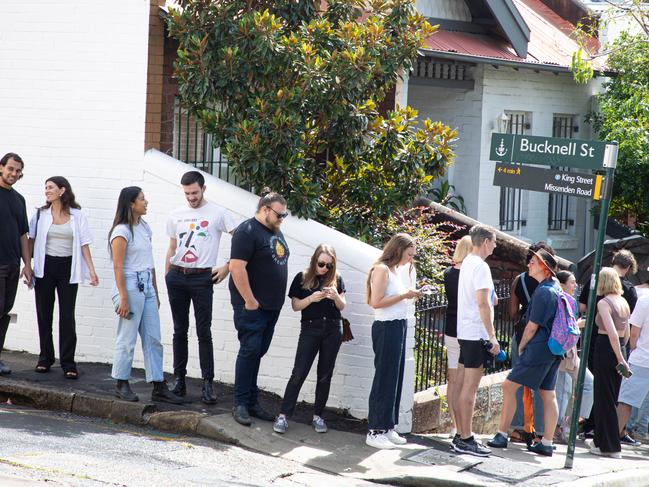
(530, 284)
(267, 255)
(322, 309)
(451, 281)
(13, 219)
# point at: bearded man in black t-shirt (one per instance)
(13, 241)
(259, 274)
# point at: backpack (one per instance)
(565, 332)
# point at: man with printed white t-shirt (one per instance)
(475, 317)
(190, 272)
(634, 390)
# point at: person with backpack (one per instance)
(612, 335)
(537, 366)
(529, 406)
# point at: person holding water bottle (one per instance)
(537, 367)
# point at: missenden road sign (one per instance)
(548, 180)
(547, 151)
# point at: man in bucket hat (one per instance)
(537, 367)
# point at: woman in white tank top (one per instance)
(387, 294)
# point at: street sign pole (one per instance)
(610, 161)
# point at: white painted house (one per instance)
(81, 95)
(503, 66)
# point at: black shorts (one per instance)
(473, 354)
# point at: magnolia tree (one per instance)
(290, 89)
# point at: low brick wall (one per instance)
(430, 410)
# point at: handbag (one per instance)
(347, 331)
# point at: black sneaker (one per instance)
(498, 441)
(541, 449)
(454, 440)
(471, 447)
(627, 440)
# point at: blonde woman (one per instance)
(612, 322)
(388, 295)
(451, 279)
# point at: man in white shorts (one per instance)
(634, 389)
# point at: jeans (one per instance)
(639, 419)
(565, 386)
(56, 278)
(143, 303)
(9, 275)
(323, 337)
(518, 422)
(197, 289)
(389, 344)
(255, 332)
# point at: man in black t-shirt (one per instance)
(13, 241)
(259, 274)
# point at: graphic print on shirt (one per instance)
(279, 250)
(191, 240)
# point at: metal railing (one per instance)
(192, 145)
(430, 354)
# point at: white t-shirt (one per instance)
(474, 275)
(139, 251)
(198, 233)
(640, 318)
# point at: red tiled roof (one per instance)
(550, 40)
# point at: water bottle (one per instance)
(500, 356)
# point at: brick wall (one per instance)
(154, 77)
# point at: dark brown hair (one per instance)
(68, 199)
(268, 197)
(391, 256)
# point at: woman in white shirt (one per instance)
(60, 240)
(136, 297)
(388, 295)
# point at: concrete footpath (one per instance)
(426, 460)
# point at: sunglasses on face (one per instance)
(325, 264)
(281, 216)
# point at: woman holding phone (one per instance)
(136, 297)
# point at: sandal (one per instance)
(518, 436)
(42, 369)
(71, 374)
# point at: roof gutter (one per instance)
(553, 68)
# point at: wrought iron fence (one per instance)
(430, 354)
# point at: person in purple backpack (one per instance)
(537, 367)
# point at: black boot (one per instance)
(208, 396)
(124, 392)
(161, 393)
(179, 388)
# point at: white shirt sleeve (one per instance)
(482, 277)
(85, 237)
(227, 223)
(32, 225)
(171, 228)
(121, 231)
(640, 312)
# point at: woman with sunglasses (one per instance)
(319, 293)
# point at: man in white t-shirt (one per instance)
(634, 390)
(190, 271)
(475, 318)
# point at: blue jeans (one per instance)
(142, 302)
(255, 332)
(389, 344)
(564, 390)
(518, 422)
(639, 419)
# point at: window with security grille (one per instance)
(560, 206)
(511, 198)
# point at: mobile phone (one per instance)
(623, 370)
(129, 316)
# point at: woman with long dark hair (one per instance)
(60, 239)
(136, 297)
(388, 295)
(319, 294)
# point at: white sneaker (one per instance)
(378, 440)
(596, 451)
(394, 437)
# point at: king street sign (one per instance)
(547, 151)
(549, 180)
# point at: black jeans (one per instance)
(389, 343)
(255, 331)
(8, 287)
(197, 289)
(319, 336)
(56, 278)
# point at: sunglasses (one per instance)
(281, 216)
(329, 265)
